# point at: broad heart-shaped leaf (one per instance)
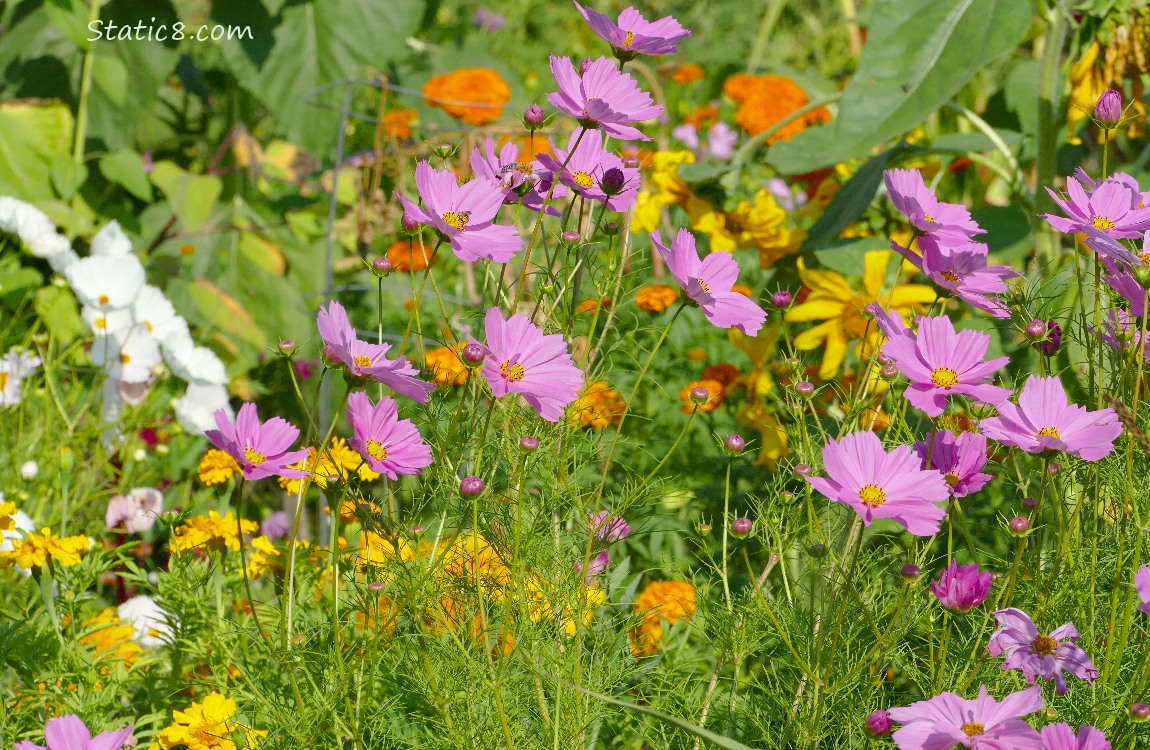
(306, 44)
(32, 135)
(67, 176)
(918, 54)
(126, 169)
(191, 196)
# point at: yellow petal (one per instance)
(834, 355)
(815, 308)
(874, 273)
(827, 283)
(911, 294)
(812, 338)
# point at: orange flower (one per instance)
(445, 364)
(656, 298)
(718, 394)
(111, 639)
(724, 372)
(660, 601)
(687, 73)
(765, 100)
(599, 405)
(409, 257)
(397, 122)
(591, 305)
(746, 291)
(475, 95)
(696, 355)
(702, 117)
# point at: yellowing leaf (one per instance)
(226, 313)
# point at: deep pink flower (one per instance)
(948, 223)
(634, 35)
(1038, 655)
(260, 449)
(1120, 279)
(522, 359)
(961, 588)
(70, 733)
(890, 323)
(390, 445)
(464, 214)
(959, 460)
(947, 721)
(519, 180)
(1114, 207)
(1110, 248)
(877, 484)
(962, 270)
(585, 170)
(709, 283)
(1044, 419)
(603, 97)
(608, 527)
(1061, 737)
(940, 362)
(1142, 586)
(136, 511)
(364, 360)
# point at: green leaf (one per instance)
(67, 176)
(1007, 231)
(966, 142)
(919, 54)
(126, 169)
(226, 313)
(191, 196)
(849, 202)
(56, 306)
(848, 256)
(32, 135)
(111, 77)
(705, 172)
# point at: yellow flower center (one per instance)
(944, 377)
(630, 39)
(972, 728)
(363, 360)
(125, 358)
(148, 325)
(1044, 645)
(102, 299)
(253, 457)
(513, 372)
(1101, 222)
(1049, 432)
(3, 380)
(951, 276)
(929, 219)
(583, 179)
(706, 289)
(457, 219)
(101, 323)
(377, 450)
(854, 323)
(951, 478)
(872, 495)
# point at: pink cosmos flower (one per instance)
(520, 180)
(940, 362)
(890, 323)
(260, 449)
(961, 588)
(1044, 419)
(877, 484)
(709, 283)
(136, 511)
(948, 223)
(603, 97)
(962, 270)
(1142, 586)
(71, 733)
(464, 214)
(959, 460)
(364, 360)
(634, 35)
(1114, 207)
(1121, 280)
(607, 527)
(521, 359)
(1061, 737)
(1111, 249)
(947, 721)
(587, 168)
(1038, 655)
(721, 140)
(390, 445)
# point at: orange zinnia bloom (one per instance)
(656, 298)
(408, 257)
(397, 122)
(724, 372)
(687, 73)
(475, 95)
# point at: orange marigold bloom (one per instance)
(724, 372)
(591, 305)
(746, 291)
(696, 354)
(409, 256)
(111, 639)
(656, 298)
(702, 117)
(687, 73)
(397, 122)
(599, 405)
(714, 387)
(446, 366)
(475, 95)
(765, 100)
(659, 602)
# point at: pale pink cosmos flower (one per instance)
(961, 588)
(364, 360)
(949, 721)
(390, 445)
(519, 180)
(959, 459)
(261, 450)
(71, 733)
(464, 214)
(1044, 419)
(589, 162)
(1036, 654)
(962, 269)
(520, 358)
(1061, 737)
(1114, 207)
(878, 484)
(603, 97)
(709, 283)
(941, 363)
(948, 223)
(1142, 586)
(608, 527)
(890, 323)
(136, 511)
(634, 35)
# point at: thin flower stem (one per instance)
(726, 523)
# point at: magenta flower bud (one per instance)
(805, 388)
(473, 355)
(409, 223)
(534, 116)
(1140, 711)
(1030, 502)
(330, 358)
(910, 571)
(376, 586)
(1036, 330)
(741, 528)
(700, 395)
(781, 298)
(529, 443)
(607, 527)
(570, 238)
(802, 470)
(471, 486)
(1053, 341)
(870, 308)
(287, 347)
(415, 530)
(961, 588)
(583, 66)
(631, 162)
(818, 549)
(703, 528)
(1019, 525)
(611, 228)
(878, 724)
(787, 495)
(735, 444)
(1054, 469)
(613, 181)
(1108, 110)
(381, 265)
(882, 359)
(888, 371)
(792, 361)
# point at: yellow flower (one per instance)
(704, 218)
(666, 188)
(263, 557)
(207, 726)
(660, 601)
(759, 349)
(445, 364)
(7, 511)
(34, 550)
(337, 462)
(211, 531)
(591, 598)
(833, 301)
(111, 639)
(217, 466)
(772, 437)
(599, 405)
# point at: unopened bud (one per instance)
(529, 443)
(781, 298)
(533, 117)
(613, 181)
(700, 395)
(735, 444)
(471, 486)
(381, 266)
(1108, 110)
(805, 388)
(741, 528)
(66, 460)
(473, 355)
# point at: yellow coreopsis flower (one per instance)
(207, 726)
(211, 531)
(111, 639)
(7, 511)
(763, 225)
(217, 466)
(337, 462)
(713, 223)
(666, 189)
(34, 550)
(841, 308)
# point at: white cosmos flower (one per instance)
(33, 227)
(153, 311)
(111, 240)
(104, 322)
(195, 411)
(195, 364)
(62, 260)
(14, 368)
(152, 623)
(106, 282)
(127, 356)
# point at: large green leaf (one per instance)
(307, 43)
(191, 196)
(32, 135)
(919, 53)
(849, 202)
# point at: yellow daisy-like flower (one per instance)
(773, 445)
(713, 223)
(263, 557)
(841, 308)
(599, 405)
(591, 598)
(217, 466)
(666, 189)
(212, 531)
(34, 550)
(7, 511)
(763, 225)
(207, 726)
(111, 639)
(659, 602)
(337, 462)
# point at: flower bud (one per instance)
(570, 238)
(631, 162)
(1140, 711)
(882, 359)
(376, 586)
(910, 571)
(529, 443)
(787, 495)
(1108, 110)
(613, 181)
(1030, 502)
(66, 460)
(445, 150)
(471, 486)
(473, 355)
(409, 224)
(139, 455)
(1019, 525)
(818, 549)
(703, 528)
(286, 347)
(29, 470)
(889, 371)
(1054, 469)
(781, 298)
(381, 266)
(611, 228)
(802, 470)
(329, 356)
(1053, 341)
(792, 361)
(878, 724)
(700, 395)
(533, 117)
(734, 444)
(741, 528)
(1036, 330)
(805, 388)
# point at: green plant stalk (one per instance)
(726, 523)
(766, 28)
(81, 129)
(1049, 79)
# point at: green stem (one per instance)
(81, 129)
